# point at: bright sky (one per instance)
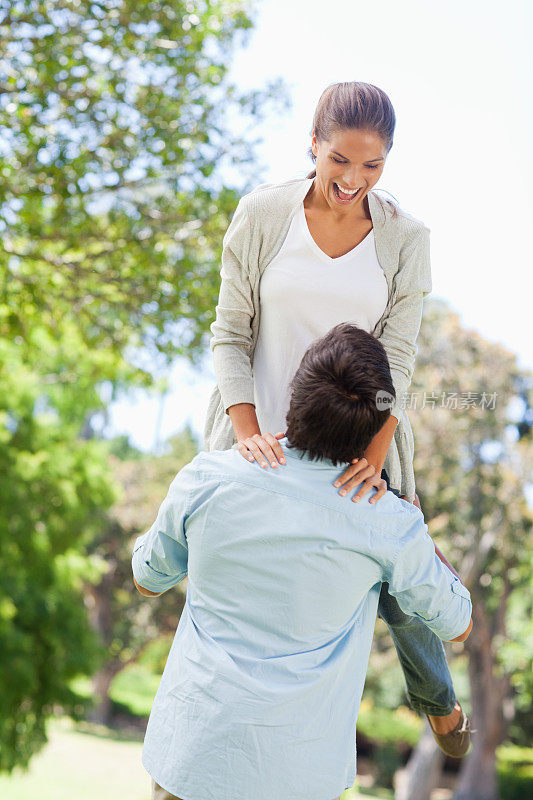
(459, 76)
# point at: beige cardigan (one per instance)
(255, 235)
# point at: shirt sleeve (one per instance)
(425, 587)
(402, 325)
(232, 342)
(160, 556)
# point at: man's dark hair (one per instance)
(341, 395)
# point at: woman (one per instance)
(298, 258)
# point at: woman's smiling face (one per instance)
(350, 160)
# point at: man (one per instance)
(261, 690)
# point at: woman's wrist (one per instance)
(376, 460)
(244, 420)
(251, 443)
(377, 450)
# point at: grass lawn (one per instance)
(81, 765)
(89, 763)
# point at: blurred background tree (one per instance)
(117, 132)
(117, 129)
(54, 488)
(471, 413)
(125, 626)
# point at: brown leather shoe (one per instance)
(455, 743)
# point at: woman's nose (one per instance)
(353, 178)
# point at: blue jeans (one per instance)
(421, 653)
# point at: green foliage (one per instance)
(511, 754)
(144, 481)
(400, 726)
(390, 733)
(387, 760)
(117, 127)
(121, 448)
(154, 658)
(127, 623)
(516, 657)
(53, 492)
(515, 772)
(472, 464)
(114, 136)
(134, 689)
(471, 467)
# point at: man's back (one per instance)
(269, 659)
(279, 562)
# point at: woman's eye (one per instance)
(338, 161)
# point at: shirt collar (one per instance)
(302, 455)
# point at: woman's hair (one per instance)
(354, 105)
(341, 395)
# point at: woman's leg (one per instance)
(422, 657)
(421, 654)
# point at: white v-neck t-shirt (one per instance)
(303, 294)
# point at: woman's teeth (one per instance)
(347, 191)
(346, 195)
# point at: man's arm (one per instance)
(445, 561)
(464, 636)
(145, 592)
(160, 556)
(424, 585)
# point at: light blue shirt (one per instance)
(261, 689)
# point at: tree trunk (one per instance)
(101, 712)
(477, 778)
(423, 770)
(100, 615)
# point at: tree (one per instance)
(117, 121)
(124, 622)
(54, 487)
(471, 467)
(115, 134)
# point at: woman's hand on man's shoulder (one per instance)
(263, 448)
(361, 472)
